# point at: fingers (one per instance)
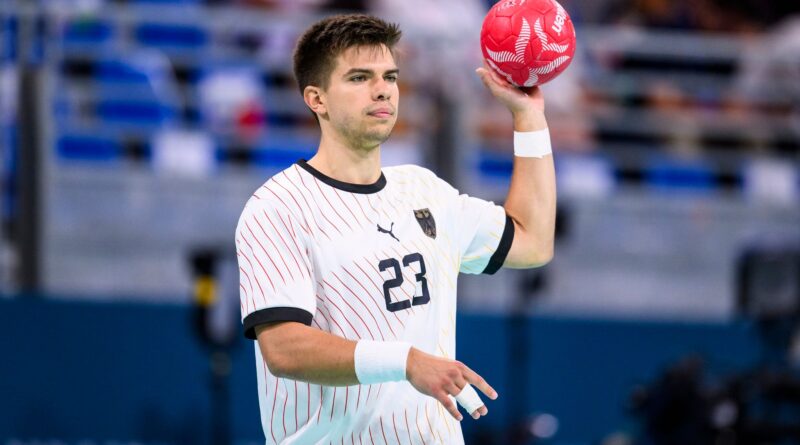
(448, 404)
(478, 381)
(484, 75)
(494, 75)
(495, 82)
(453, 383)
(460, 381)
(492, 80)
(502, 81)
(490, 76)
(453, 390)
(482, 411)
(469, 399)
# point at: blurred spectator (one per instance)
(9, 84)
(703, 15)
(658, 14)
(707, 15)
(80, 6)
(769, 70)
(231, 101)
(613, 11)
(296, 6)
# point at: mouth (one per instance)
(381, 114)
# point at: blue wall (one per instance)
(136, 372)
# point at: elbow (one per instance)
(545, 259)
(543, 256)
(279, 365)
(276, 357)
(531, 254)
(535, 247)
(278, 345)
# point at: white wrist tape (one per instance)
(532, 144)
(469, 399)
(381, 361)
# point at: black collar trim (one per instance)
(346, 186)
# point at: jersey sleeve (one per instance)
(484, 232)
(275, 270)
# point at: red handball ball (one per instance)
(528, 42)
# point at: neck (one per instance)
(347, 164)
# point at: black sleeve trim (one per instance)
(273, 314)
(500, 254)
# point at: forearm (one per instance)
(531, 200)
(299, 352)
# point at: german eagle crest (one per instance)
(426, 222)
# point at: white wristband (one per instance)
(469, 399)
(532, 144)
(381, 361)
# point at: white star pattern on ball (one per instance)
(518, 56)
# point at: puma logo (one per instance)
(382, 230)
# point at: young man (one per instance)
(348, 271)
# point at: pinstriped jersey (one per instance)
(377, 261)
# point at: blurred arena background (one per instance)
(133, 131)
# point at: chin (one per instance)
(378, 136)
(372, 141)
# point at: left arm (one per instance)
(531, 200)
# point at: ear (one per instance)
(315, 99)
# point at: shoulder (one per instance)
(279, 194)
(282, 188)
(417, 176)
(407, 170)
(416, 173)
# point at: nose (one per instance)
(382, 90)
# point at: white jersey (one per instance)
(377, 262)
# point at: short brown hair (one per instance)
(317, 49)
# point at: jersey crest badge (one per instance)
(426, 221)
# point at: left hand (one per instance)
(441, 378)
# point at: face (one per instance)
(359, 107)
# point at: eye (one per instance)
(359, 78)
(391, 78)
